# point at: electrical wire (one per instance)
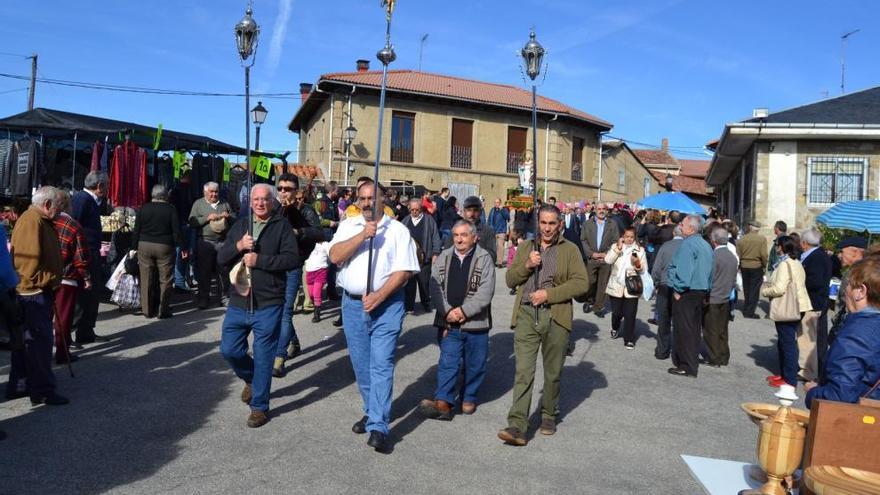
(17, 55)
(142, 90)
(13, 90)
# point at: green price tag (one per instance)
(158, 138)
(179, 161)
(226, 169)
(262, 166)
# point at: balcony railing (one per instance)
(461, 157)
(514, 159)
(402, 151)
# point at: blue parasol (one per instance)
(859, 216)
(668, 201)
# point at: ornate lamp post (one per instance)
(258, 113)
(533, 57)
(349, 133)
(247, 34)
(668, 182)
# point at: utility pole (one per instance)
(33, 81)
(843, 40)
(421, 48)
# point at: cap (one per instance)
(853, 241)
(472, 202)
(755, 223)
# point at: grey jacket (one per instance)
(429, 244)
(725, 267)
(477, 305)
(589, 233)
(661, 261)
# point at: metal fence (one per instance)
(461, 157)
(514, 160)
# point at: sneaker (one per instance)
(513, 436)
(614, 334)
(293, 350)
(629, 345)
(548, 426)
(777, 383)
(246, 393)
(278, 367)
(257, 419)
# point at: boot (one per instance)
(316, 316)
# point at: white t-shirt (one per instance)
(319, 258)
(393, 251)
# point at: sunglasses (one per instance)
(286, 189)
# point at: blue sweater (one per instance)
(853, 362)
(8, 277)
(498, 218)
(86, 211)
(691, 266)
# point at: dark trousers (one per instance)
(87, 301)
(822, 339)
(715, 322)
(752, 280)
(663, 306)
(687, 316)
(597, 275)
(34, 362)
(624, 308)
(787, 350)
(420, 281)
(152, 258)
(208, 268)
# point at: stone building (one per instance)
(794, 164)
(687, 176)
(624, 177)
(443, 131)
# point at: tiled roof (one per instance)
(656, 157)
(694, 168)
(687, 185)
(299, 170)
(861, 107)
(464, 89)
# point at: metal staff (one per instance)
(533, 55)
(386, 55)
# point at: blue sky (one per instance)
(662, 68)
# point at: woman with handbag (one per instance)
(789, 300)
(628, 263)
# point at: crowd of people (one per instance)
(291, 242)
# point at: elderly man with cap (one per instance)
(753, 256)
(472, 208)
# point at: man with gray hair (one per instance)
(87, 206)
(209, 216)
(663, 304)
(689, 276)
(36, 255)
(717, 312)
(813, 335)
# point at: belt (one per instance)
(356, 297)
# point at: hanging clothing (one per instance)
(100, 152)
(237, 180)
(128, 177)
(25, 168)
(165, 171)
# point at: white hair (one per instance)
(694, 221)
(211, 185)
(44, 194)
(94, 178)
(159, 192)
(811, 236)
(267, 187)
(472, 227)
(720, 236)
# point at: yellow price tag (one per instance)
(869, 420)
(261, 166)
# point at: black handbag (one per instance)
(634, 285)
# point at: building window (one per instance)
(646, 183)
(516, 148)
(462, 143)
(577, 159)
(835, 179)
(621, 180)
(402, 132)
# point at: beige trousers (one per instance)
(499, 248)
(808, 357)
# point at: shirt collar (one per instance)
(93, 195)
(462, 257)
(808, 252)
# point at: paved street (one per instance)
(157, 409)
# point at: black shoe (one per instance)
(661, 357)
(337, 322)
(2, 435)
(629, 345)
(52, 399)
(652, 321)
(600, 313)
(12, 395)
(614, 334)
(165, 315)
(426, 308)
(753, 317)
(569, 350)
(512, 292)
(202, 305)
(680, 372)
(586, 307)
(361, 426)
(377, 441)
(316, 316)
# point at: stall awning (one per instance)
(62, 125)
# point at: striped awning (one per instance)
(859, 216)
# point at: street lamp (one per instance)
(258, 113)
(533, 56)
(247, 34)
(349, 133)
(668, 182)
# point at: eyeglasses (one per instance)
(286, 189)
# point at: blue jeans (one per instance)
(257, 371)
(473, 347)
(288, 332)
(182, 267)
(786, 347)
(372, 340)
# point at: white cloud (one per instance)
(276, 44)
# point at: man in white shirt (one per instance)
(373, 316)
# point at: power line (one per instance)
(7, 54)
(13, 90)
(142, 90)
(685, 150)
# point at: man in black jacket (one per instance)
(471, 210)
(426, 235)
(268, 253)
(813, 335)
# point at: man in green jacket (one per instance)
(546, 281)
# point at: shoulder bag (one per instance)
(785, 307)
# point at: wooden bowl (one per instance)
(825, 480)
(758, 412)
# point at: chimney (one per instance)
(363, 65)
(760, 113)
(305, 89)
(664, 144)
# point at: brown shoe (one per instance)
(468, 407)
(436, 409)
(548, 426)
(513, 436)
(246, 393)
(257, 419)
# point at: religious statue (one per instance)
(526, 169)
